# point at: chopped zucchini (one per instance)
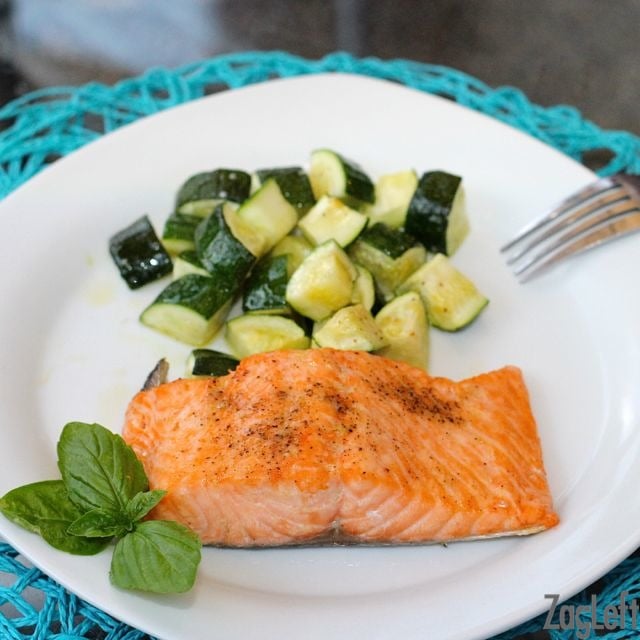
(178, 232)
(392, 242)
(220, 252)
(390, 255)
(352, 327)
(394, 192)
(255, 333)
(188, 262)
(200, 194)
(364, 291)
(269, 214)
(191, 309)
(294, 184)
(265, 290)
(255, 183)
(323, 283)
(331, 174)
(437, 215)
(210, 363)
(296, 247)
(405, 326)
(250, 238)
(139, 254)
(451, 299)
(331, 219)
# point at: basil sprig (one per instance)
(45, 508)
(103, 495)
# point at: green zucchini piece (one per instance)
(139, 254)
(296, 247)
(210, 363)
(256, 333)
(220, 252)
(405, 326)
(294, 184)
(323, 283)
(269, 214)
(331, 219)
(200, 194)
(390, 255)
(392, 242)
(191, 309)
(188, 262)
(437, 215)
(364, 291)
(255, 183)
(451, 299)
(242, 230)
(331, 174)
(351, 327)
(394, 192)
(266, 288)
(179, 229)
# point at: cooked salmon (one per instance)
(297, 447)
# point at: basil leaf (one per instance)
(158, 556)
(98, 523)
(99, 469)
(142, 503)
(45, 508)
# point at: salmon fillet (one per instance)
(322, 445)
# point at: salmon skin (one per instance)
(300, 447)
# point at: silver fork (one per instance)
(600, 212)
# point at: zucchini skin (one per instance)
(428, 215)
(392, 242)
(191, 256)
(139, 255)
(199, 293)
(359, 185)
(221, 184)
(191, 309)
(294, 184)
(221, 253)
(179, 230)
(266, 287)
(207, 362)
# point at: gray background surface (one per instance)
(580, 52)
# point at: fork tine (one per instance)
(618, 227)
(591, 206)
(587, 193)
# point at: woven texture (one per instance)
(53, 122)
(45, 125)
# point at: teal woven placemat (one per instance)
(47, 124)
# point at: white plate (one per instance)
(71, 349)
